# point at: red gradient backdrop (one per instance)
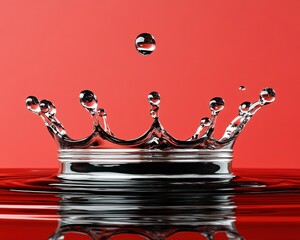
(55, 49)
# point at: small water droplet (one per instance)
(267, 95)
(216, 104)
(244, 107)
(205, 122)
(242, 88)
(52, 108)
(145, 43)
(102, 112)
(33, 104)
(89, 101)
(154, 112)
(154, 98)
(44, 105)
(48, 108)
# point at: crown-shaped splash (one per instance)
(156, 137)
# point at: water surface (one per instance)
(256, 204)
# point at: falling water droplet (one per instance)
(267, 95)
(154, 98)
(33, 104)
(242, 88)
(89, 101)
(244, 107)
(145, 43)
(216, 104)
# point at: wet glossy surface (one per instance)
(257, 204)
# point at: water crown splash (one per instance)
(156, 137)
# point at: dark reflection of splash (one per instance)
(152, 208)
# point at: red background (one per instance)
(55, 49)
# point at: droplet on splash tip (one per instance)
(216, 104)
(154, 98)
(52, 108)
(242, 88)
(205, 122)
(102, 112)
(44, 105)
(88, 100)
(145, 44)
(244, 107)
(47, 107)
(33, 104)
(267, 95)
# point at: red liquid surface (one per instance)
(30, 206)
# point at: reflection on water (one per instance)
(153, 209)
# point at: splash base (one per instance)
(83, 164)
